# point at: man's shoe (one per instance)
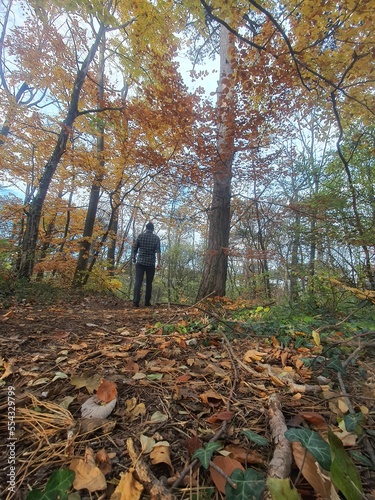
(135, 304)
(148, 305)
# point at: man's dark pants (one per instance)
(140, 271)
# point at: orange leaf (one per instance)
(315, 419)
(107, 391)
(220, 417)
(227, 465)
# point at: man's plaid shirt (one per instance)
(147, 245)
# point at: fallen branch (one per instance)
(281, 462)
(156, 489)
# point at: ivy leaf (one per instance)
(204, 455)
(336, 365)
(344, 474)
(353, 422)
(57, 486)
(314, 443)
(256, 438)
(360, 458)
(250, 485)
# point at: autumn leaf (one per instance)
(87, 474)
(161, 455)
(253, 355)
(107, 391)
(227, 465)
(312, 472)
(128, 488)
(220, 417)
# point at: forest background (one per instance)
(261, 187)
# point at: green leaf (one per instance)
(281, 489)
(344, 474)
(360, 458)
(204, 455)
(256, 438)
(336, 365)
(57, 486)
(250, 485)
(354, 423)
(154, 376)
(314, 443)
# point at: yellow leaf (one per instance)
(316, 337)
(253, 355)
(128, 488)
(161, 455)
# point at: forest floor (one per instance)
(187, 378)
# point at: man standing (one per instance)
(146, 246)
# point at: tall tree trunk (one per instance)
(216, 258)
(368, 269)
(113, 230)
(34, 213)
(80, 275)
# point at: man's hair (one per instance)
(150, 226)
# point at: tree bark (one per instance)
(216, 259)
(34, 213)
(80, 275)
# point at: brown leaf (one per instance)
(220, 417)
(8, 315)
(244, 455)
(315, 419)
(128, 488)
(107, 391)
(87, 474)
(193, 444)
(183, 378)
(211, 397)
(253, 355)
(227, 465)
(103, 461)
(311, 471)
(161, 455)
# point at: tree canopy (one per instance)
(95, 100)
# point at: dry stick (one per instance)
(281, 462)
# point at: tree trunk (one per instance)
(80, 275)
(29, 243)
(216, 258)
(113, 230)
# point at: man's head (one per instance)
(150, 226)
